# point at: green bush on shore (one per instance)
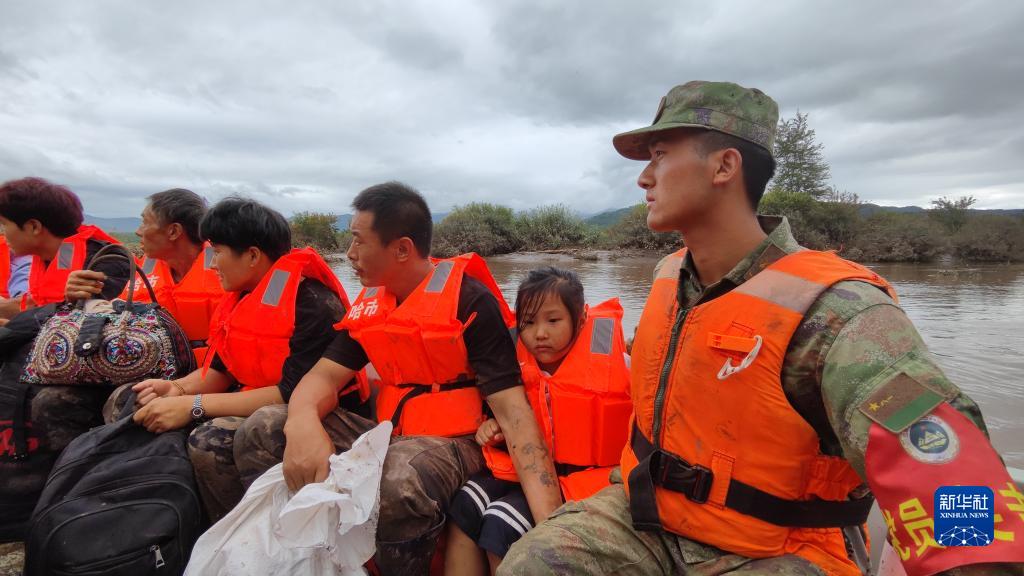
(990, 239)
(315, 229)
(837, 224)
(631, 232)
(483, 228)
(552, 228)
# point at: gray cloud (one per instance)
(302, 105)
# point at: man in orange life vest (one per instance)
(774, 390)
(270, 328)
(177, 263)
(438, 334)
(44, 220)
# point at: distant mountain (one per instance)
(608, 217)
(114, 224)
(869, 209)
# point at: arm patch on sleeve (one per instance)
(900, 402)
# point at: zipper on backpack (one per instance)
(158, 556)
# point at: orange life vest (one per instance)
(716, 452)
(582, 409)
(5, 267)
(427, 385)
(191, 301)
(252, 333)
(46, 283)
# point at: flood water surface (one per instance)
(971, 318)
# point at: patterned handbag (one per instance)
(109, 343)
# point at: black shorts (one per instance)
(493, 512)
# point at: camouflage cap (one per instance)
(746, 113)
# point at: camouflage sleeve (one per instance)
(875, 346)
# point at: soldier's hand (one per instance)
(307, 451)
(149, 390)
(489, 433)
(84, 284)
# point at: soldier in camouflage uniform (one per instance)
(853, 343)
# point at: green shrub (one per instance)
(551, 228)
(896, 237)
(486, 229)
(315, 229)
(990, 239)
(631, 232)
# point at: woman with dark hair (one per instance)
(576, 375)
(44, 220)
(268, 331)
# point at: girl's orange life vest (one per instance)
(191, 301)
(46, 283)
(5, 267)
(582, 409)
(427, 385)
(251, 333)
(723, 457)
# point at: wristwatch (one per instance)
(197, 408)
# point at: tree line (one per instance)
(855, 230)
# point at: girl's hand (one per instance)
(489, 433)
(149, 390)
(163, 414)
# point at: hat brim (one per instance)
(635, 144)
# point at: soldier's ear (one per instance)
(727, 165)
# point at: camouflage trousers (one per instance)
(421, 475)
(62, 413)
(596, 536)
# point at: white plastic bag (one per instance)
(325, 528)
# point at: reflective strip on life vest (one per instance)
(208, 255)
(65, 256)
(782, 289)
(275, 288)
(601, 336)
(439, 277)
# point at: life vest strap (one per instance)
(421, 389)
(664, 469)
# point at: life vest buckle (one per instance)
(673, 473)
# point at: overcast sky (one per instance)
(303, 104)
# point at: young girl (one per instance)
(576, 375)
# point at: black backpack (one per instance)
(120, 500)
(23, 465)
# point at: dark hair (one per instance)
(181, 206)
(541, 282)
(55, 207)
(239, 223)
(398, 211)
(758, 163)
